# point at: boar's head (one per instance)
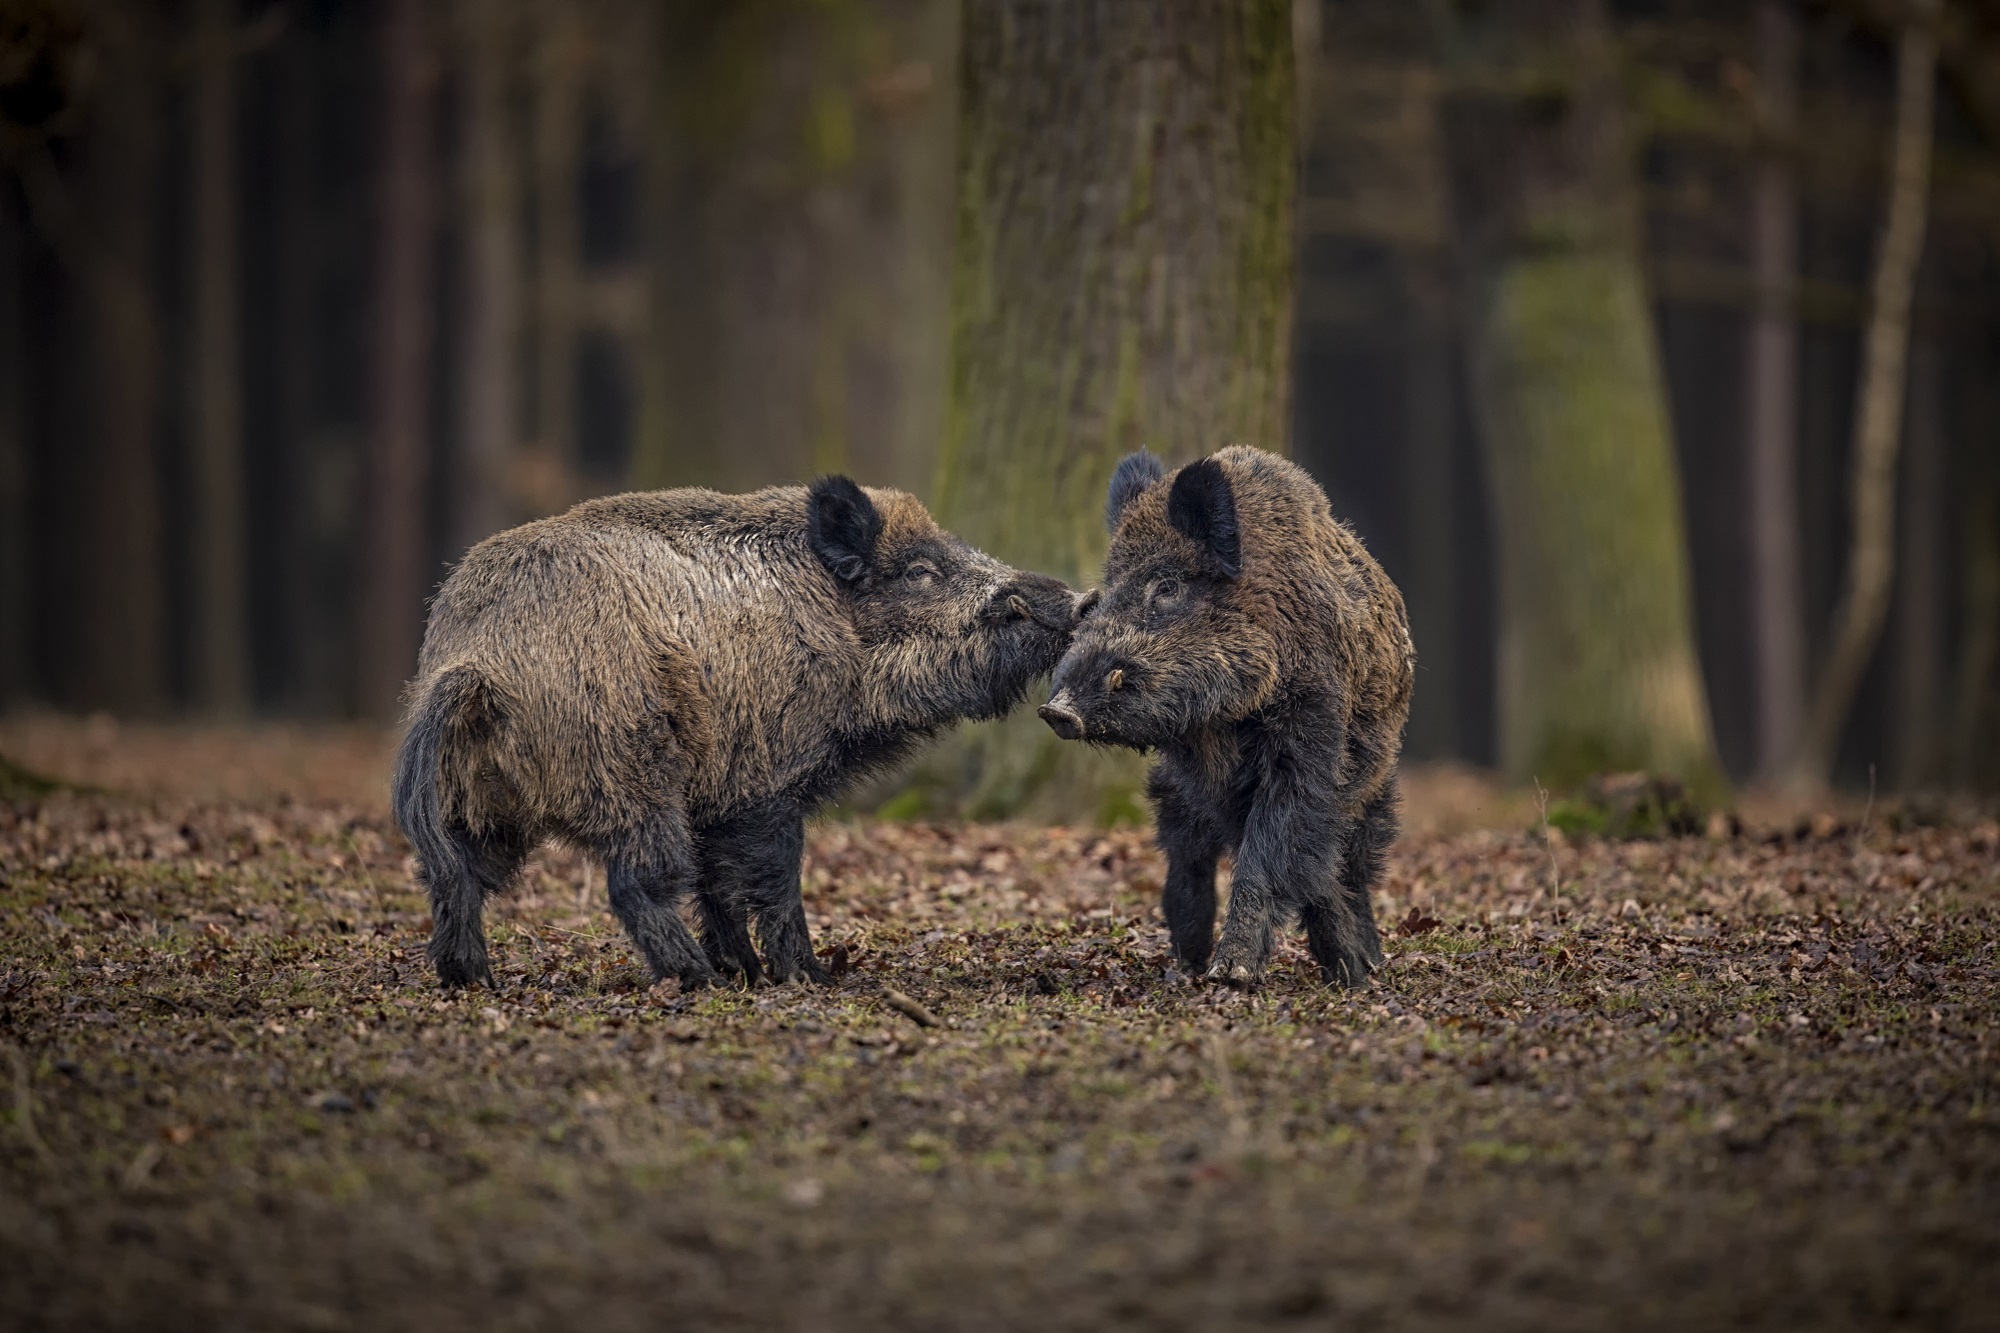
(1182, 633)
(946, 631)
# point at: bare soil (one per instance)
(1742, 1081)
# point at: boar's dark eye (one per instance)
(1166, 591)
(920, 572)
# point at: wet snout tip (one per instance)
(1062, 717)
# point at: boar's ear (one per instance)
(842, 527)
(1135, 472)
(1202, 506)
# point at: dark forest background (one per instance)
(297, 300)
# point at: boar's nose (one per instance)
(1061, 715)
(1035, 597)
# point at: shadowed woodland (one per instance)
(297, 301)
(1652, 346)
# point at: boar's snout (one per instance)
(1061, 715)
(1046, 601)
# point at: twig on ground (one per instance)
(1236, 1123)
(1548, 841)
(142, 1167)
(910, 1008)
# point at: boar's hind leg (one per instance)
(1340, 919)
(1367, 849)
(460, 883)
(648, 869)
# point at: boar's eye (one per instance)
(1165, 592)
(921, 572)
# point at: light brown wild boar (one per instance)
(674, 680)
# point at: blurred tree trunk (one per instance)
(559, 73)
(221, 629)
(315, 670)
(1919, 601)
(487, 372)
(1878, 411)
(16, 523)
(1776, 597)
(122, 584)
(799, 201)
(1123, 278)
(1975, 701)
(392, 556)
(1597, 665)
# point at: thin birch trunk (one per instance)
(1864, 600)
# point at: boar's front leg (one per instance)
(730, 859)
(1192, 848)
(1287, 849)
(780, 909)
(648, 869)
(762, 848)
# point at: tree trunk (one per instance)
(221, 630)
(122, 588)
(487, 372)
(793, 239)
(1123, 278)
(1776, 598)
(1597, 667)
(16, 523)
(1125, 257)
(558, 132)
(1864, 601)
(1920, 628)
(392, 571)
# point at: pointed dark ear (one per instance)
(1202, 506)
(1135, 472)
(842, 527)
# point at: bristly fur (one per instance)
(1246, 636)
(673, 680)
(1135, 472)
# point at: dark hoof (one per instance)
(1350, 973)
(808, 971)
(457, 974)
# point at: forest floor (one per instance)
(1744, 1081)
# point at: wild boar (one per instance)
(1246, 635)
(673, 681)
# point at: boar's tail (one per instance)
(451, 712)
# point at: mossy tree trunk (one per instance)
(1597, 665)
(1124, 263)
(1123, 276)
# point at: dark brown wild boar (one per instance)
(1245, 635)
(674, 680)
